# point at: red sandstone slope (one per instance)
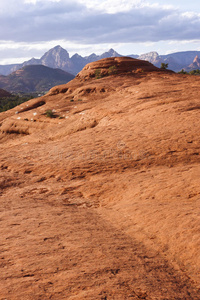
(102, 201)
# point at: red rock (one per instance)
(102, 201)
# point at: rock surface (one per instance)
(101, 201)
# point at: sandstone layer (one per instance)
(101, 201)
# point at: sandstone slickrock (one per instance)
(101, 201)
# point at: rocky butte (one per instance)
(194, 65)
(100, 194)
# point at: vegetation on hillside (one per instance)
(111, 71)
(193, 72)
(7, 103)
(49, 113)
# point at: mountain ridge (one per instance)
(58, 57)
(176, 61)
(34, 78)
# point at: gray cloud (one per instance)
(46, 21)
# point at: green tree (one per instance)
(164, 66)
(182, 72)
(195, 72)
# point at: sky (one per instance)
(29, 28)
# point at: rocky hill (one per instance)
(100, 195)
(34, 78)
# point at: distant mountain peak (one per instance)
(76, 55)
(152, 57)
(110, 53)
(150, 54)
(196, 59)
(56, 57)
(57, 50)
(58, 47)
(194, 65)
(111, 50)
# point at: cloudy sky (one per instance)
(31, 27)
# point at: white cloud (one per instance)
(11, 52)
(40, 24)
(136, 22)
(35, 1)
(112, 6)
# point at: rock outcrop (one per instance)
(195, 65)
(115, 66)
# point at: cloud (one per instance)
(112, 6)
(86, 23)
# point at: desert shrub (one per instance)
(49, 113)
(98, 73)
(71, 100)
(112, 70)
